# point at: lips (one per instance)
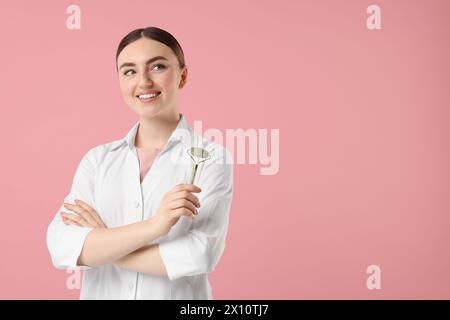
(147, 92)
(149, 99)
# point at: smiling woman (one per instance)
(151, 69)
(122, 223)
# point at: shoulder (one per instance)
(97, 154)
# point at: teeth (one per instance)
(148, 95)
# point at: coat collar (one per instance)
(182, 132)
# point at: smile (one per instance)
(148, 97)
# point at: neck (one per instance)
(154, 132)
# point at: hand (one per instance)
(85, 215)
(176, 203)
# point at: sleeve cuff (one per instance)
(67, 245)
(178, 256)
(77, 237)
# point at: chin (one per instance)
(149, 112)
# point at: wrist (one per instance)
(152, 228)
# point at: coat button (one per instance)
(136, 204)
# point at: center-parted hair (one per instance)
(156, 34)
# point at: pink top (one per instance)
(146, 157)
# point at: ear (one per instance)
(183, 81)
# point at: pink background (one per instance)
(364, 136)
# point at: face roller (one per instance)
(198, 155)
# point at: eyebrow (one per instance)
(130, 64)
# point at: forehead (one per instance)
(141, 50)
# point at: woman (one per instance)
(131, 221)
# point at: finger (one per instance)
(183, 203)
(185, 195)
(70, 222)
(92, 212)
(186, 187)
(182, 212)
(75, 218)
(81, 212)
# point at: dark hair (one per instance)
(157, 34)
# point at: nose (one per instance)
(145, 79)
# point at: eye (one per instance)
(126, 72)
(159, 65)
(162, 67)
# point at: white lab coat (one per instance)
(107, 178)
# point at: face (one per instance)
(139, 74)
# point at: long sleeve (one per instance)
(200, 249)
(65, 242)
